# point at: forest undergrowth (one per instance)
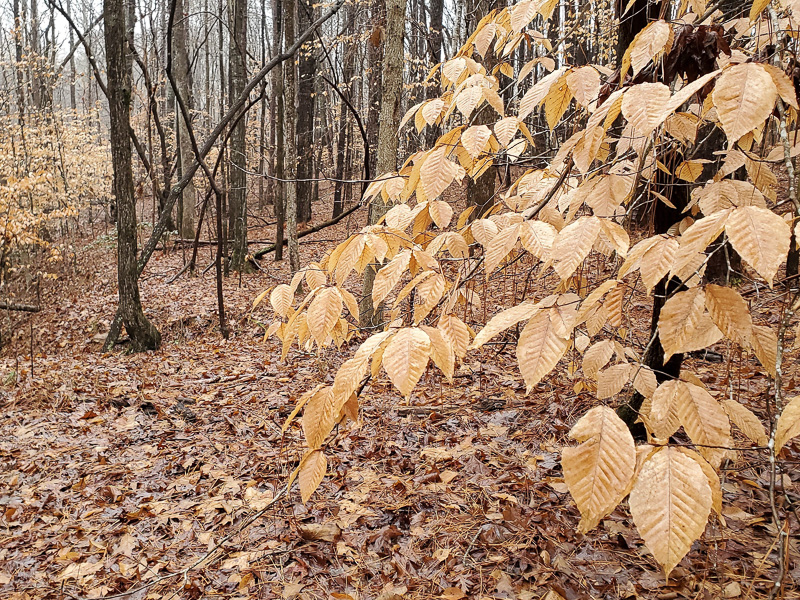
(119, 469)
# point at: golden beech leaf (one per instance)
(573, 244)
(598, 471)
(557, 101)
(281, 300)
(537, 237)
(468, 98)
(537, 93)
(406, 357)
(645, 382)
(711, 476)
(441, 213)
(504, 131)
(352, 372)
(704, 421)
(783, 84)
(300, 403)
(633, 260)
(483, 230)
(690, 170)
(442, 353)
(584, 83)
(670, 504)
(757, 8)
(349, 257)
(643, 105)
(499, 247)
(746, 421)
(539, 349)
(663, 415)
(457, 332)
(761, 238)
(696, 239)
(389, 276)
(319, 417)
(648, 44)
(610, 381)
(788, 425)
(475, 138)
(311, 473)
(744, 96)
(323, 313)
(765, 346)
(350, 302)
(430, 291)
(505, 319)
(431, 110)
(730, 313)
(680, 319)
(613, 305)
(657, 260)
(597, 357)
(437, 172)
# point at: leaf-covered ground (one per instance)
(117, 469)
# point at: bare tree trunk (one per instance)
(279, 200)
(392, 84)
(183, 79)
(341, 142)
(305, 115)
(237, 178)
(289, 16)
(143, 335)
(374, 66)
(435, 38)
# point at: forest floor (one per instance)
(117, 469)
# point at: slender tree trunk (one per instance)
(183, 79)
(392, 84)
(289, 16)
(341, 142)
(237, 178)
(279, 200)
(305, 115)
(143, 335)
(374, 67)
(435, 38)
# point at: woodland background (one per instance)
(148, 406)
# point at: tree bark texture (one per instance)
(237, 177)
(142, 333)
(306, 66)
(290, 118)
(183, 79)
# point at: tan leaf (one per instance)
(788, 425)
(650, 42)
(557, 101)
(537, 237)
(475, 138)
(746, 421)
(442, 352)
(610, 381)
(663, 417)
(499, 247)
(704, 420)
(657, 261)
(504, 131)
(389, 276)
(783, 84)
(670, 504)
(483, 230)
(467, 99)
(573, 244)
(349, 258)
(539, 349)
(281, 300)
(323, 313)
(765, 346)
(311, 473)
(406, 357)
(503, 320)
(730, 313)
(430, 291)
(319, 417)
(584, 83)
(679, 320)
(537, 93)
(597, 357)
(744, 96)
(432, 109)
(598, 471)
(457, 332)
(437, 172)
(712, 478)
(697, 238)
(761, 237)
(690, 170)
(645, 382)
(441, 213)
(643, 105)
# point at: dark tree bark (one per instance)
(374, 68)
(289, 19)
(183, 78)
(341, 141)
(237, 177)
(305, 115)
(435, 37)
(142, 333)
(279, 199)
